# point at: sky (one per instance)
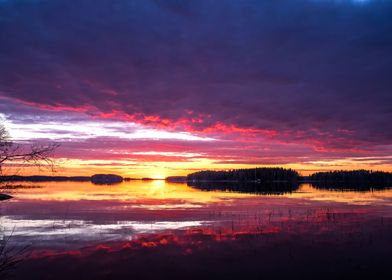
(152, 88)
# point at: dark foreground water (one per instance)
(158, 230)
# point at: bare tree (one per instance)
(36, 155)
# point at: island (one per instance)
(39, 178)
(264, 180)
(106, 179)
(351, 180)
(176, 179)
(257, 175)
(4, 196)
(281, 180)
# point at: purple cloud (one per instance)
(313, 74)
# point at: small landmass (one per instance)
(106, 179)
(4, 196)
(258, 175)
(38, 178)
(177, 179)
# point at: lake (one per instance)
(155, 229)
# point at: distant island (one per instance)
(264, 180)
(96, 179)
(353, 179)
(280, 180)
(177, 179)
(355, 176)
(4, 196)
(101, 179)
(258, 175)
(38, 178)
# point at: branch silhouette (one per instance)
(36, 155)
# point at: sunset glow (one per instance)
(159, 89)
(195, 139)
(137, 149)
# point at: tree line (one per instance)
(263, 174)
(354, 176)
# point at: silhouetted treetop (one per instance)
(37, 155)
(264, 174)
(359, 177)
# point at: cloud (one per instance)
(310, 73)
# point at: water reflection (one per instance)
(76, 212)
(246, 187)
(358, 187)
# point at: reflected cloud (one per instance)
(74, 233)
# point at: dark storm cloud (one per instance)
(311, 70)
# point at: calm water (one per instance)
(62, 229)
